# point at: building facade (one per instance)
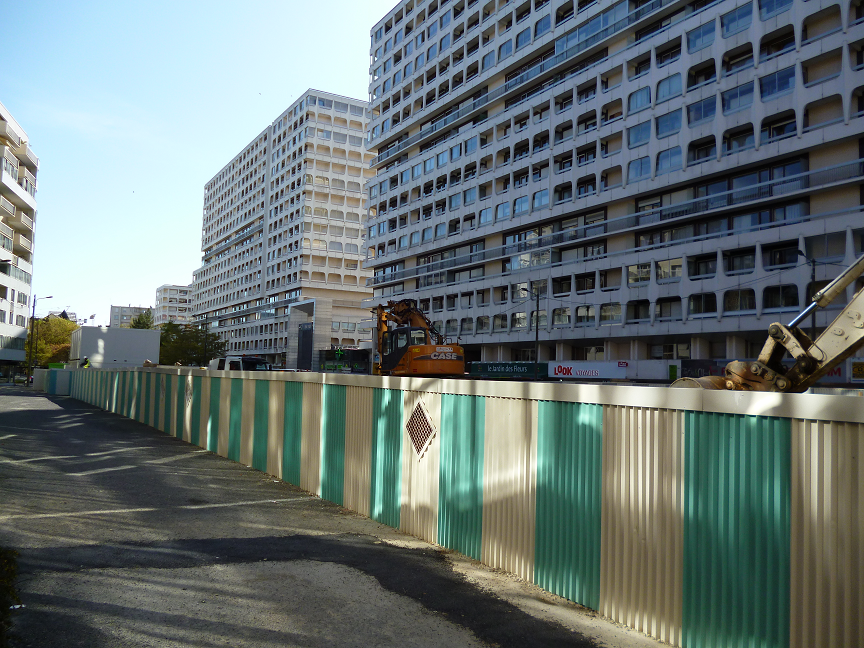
(122, 316)
(659, 174)
(17, 217)
(282, 236)
(173, 304)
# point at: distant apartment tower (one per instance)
(658, 173)
(17, 217)
(282, 237)
(173, 304)
(123, 315)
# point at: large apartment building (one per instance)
(17, 217)
(173, 304)
(660, 174)
(283, 271)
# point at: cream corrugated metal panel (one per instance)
(509, 485)
(275, 427)
(419, 510)
(205, 410)
(310, 443)
(827, 543)
(247, 423)
(641, 571)
(187, 409)
(358, 448)
(224, 416)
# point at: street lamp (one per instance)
(32, 334)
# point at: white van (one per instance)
(240, 363)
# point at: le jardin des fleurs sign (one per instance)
(507, 370)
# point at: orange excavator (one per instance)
(413, 347)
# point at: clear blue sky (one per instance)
(132, 107)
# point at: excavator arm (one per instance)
(813, 358)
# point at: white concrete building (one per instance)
(282, 235)
(122, 316)
(651, 169)
(17, 216)
(173, 304)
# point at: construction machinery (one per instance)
(413, 346)
(813, 358)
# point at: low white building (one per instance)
(173, 304)
(123, 315)
(112, 347)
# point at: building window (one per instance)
(669, 160)
(737, 20)
(737, 98)
(638, 134)
(779, 82)
(701, 37)
(669, 87)
(780, 297)
(488, 61)
(610, 313)
(542, 26)
(523, 38)
(769, 8)
(520, 206)
(638, 169)
(541, 199)
(639, 100)
(739, 300)
(669, 123)
(702, 304)
(505, 50)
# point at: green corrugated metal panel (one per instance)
(213, 417)
(181, 406)
(235, 419)
(736, 531)
(260, 425)
(386, 478)
(333, 443)
(293, 432)
(460, 489)
(569, 472)
(195, 418)
(165, 400)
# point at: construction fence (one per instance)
(701, 518)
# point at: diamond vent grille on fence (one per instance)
(420, 429)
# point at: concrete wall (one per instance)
(110, 347)
(701, 518)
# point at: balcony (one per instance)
(6, 133)
(30, 158)
(7, 209)
(20, 221)
(21, 242)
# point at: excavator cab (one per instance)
(396, 344)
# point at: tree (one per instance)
(189, 345)
(143, 320)
(53, 336)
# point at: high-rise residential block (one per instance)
(173, 304)
(17, 218)
(660, 174)
(283, 271)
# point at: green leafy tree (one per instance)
(53, 336)
(189, 345)
(143, 320)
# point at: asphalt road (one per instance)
(129, 537)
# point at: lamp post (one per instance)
(812, 263)
(32, 334)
